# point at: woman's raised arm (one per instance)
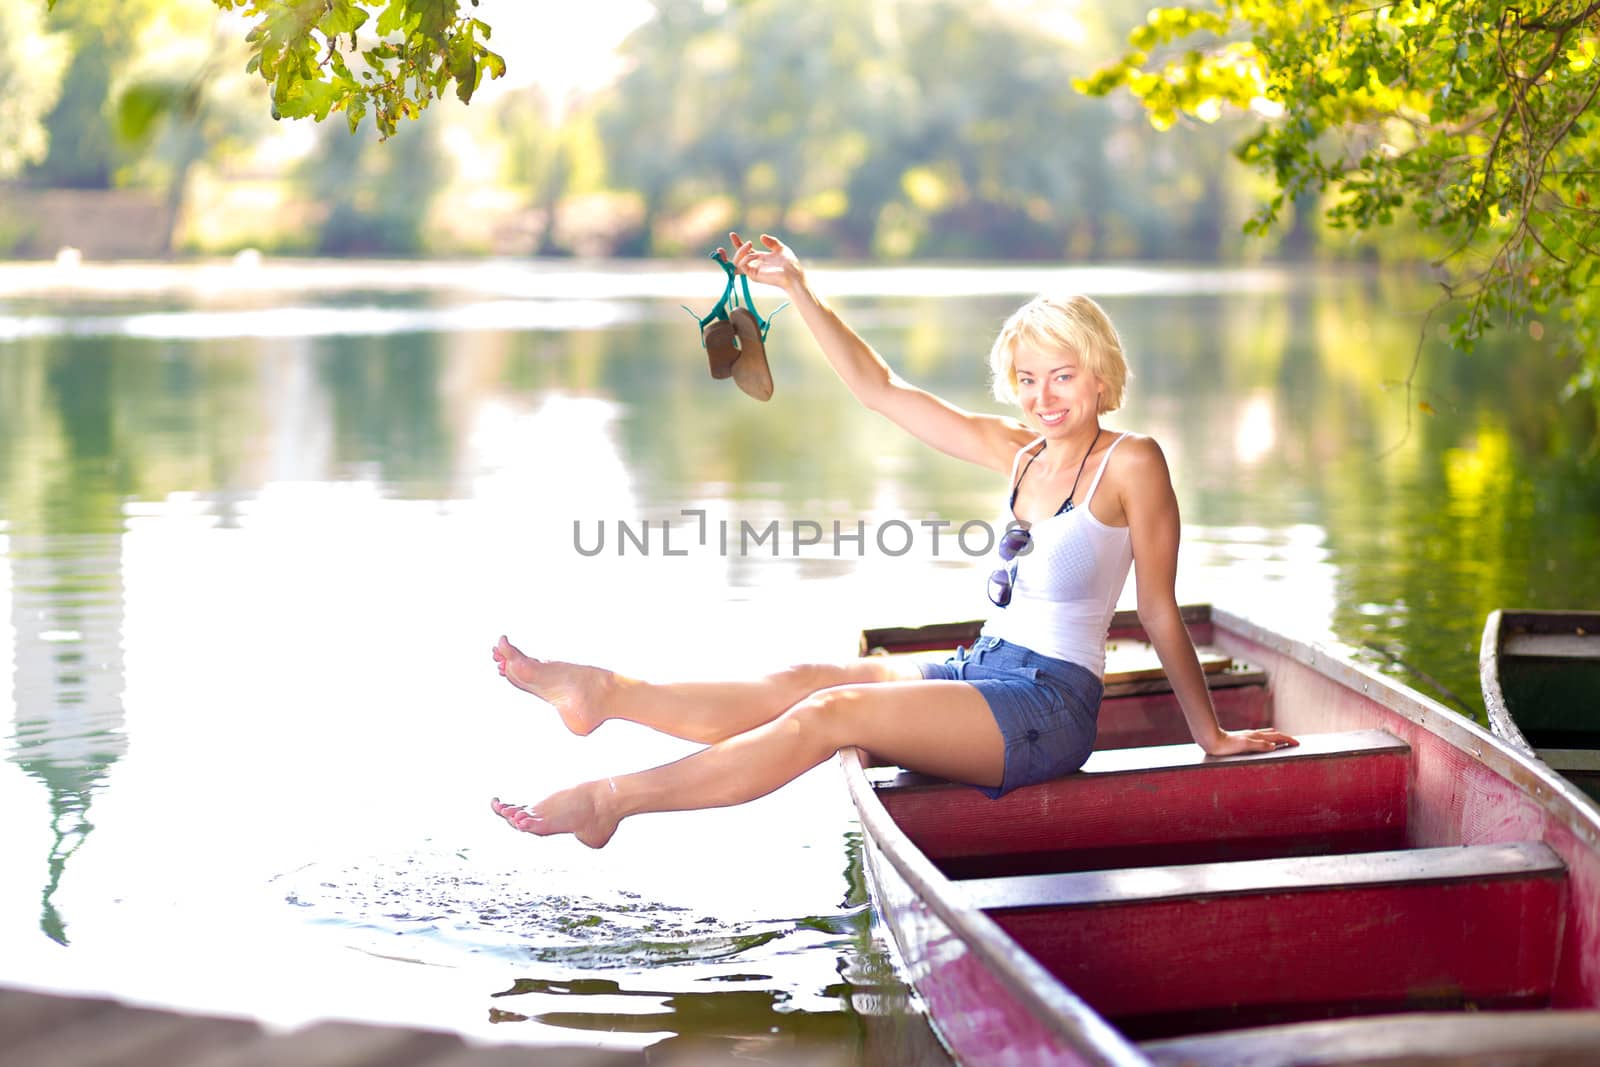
(987, 440)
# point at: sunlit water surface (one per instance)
(260, 529)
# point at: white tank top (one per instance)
(1067, 585)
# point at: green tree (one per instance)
(658, 110)
(1002, 154)
(180, 105)
(1467, 119)
(83, 152)
(553, 152)
(377, 197)
(386, 58)
(31, 64)
(796, 90)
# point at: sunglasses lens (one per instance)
(1000, 588)
(1013, 542)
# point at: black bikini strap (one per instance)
(1067, 505)
(1024, 470)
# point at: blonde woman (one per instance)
(1020, 706)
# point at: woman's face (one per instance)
(1056, 394)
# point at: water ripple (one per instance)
(451, 910)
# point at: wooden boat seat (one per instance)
(1157, 949)
(1336, 792)
(1526, 1039)
(1139, 708)
(1132, 667)
(1579, 645)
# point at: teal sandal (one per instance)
(734, 336)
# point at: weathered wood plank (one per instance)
(24, 1014)
(58, 1030)
(1125, 626)
(935, 637)
(1553, 646)
(1295, 874)
(127, 1036)
(1227, 678)
(1137, 661)
(1411, 928)
(1131, 666)
(337, 1044)
(1571, 760)
(1454, 1039)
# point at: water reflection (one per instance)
(254, 475)
(66, 617)
(873, 1018)
(65, 560)
(597, 960)
(314, 321)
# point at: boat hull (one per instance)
(997, 995)
(1540, 672)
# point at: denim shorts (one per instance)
(1046, 708)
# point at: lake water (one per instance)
(260, 526)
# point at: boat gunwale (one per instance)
(1501, 724)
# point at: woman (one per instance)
(1021, 707)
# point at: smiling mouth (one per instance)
(1053, 418)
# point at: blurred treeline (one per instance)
(897, 129)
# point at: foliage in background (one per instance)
(83, 152)
(410, 54)
(1469, 119)
(903, 128)
(31, 63)
(316, 59)
(376, 202)
(178, 105)
(554, 155)
(900, 129)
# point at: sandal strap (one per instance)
(721, 310)
(728, 294)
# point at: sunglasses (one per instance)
(1013, 543)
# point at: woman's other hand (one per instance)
(772, 264)
(1233, 742)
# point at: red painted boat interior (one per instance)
(1157, 966)
(1379, 868)
(1336, 793)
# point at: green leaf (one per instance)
(341, 17)
(393, 14)
(142, 106)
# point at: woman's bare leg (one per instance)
(941, 727)
(706, 712)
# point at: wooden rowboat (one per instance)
(1541, 686)
(1401, 887)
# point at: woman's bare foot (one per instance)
(585, 811)
(575, 691)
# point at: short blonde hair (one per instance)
(1073, 324)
